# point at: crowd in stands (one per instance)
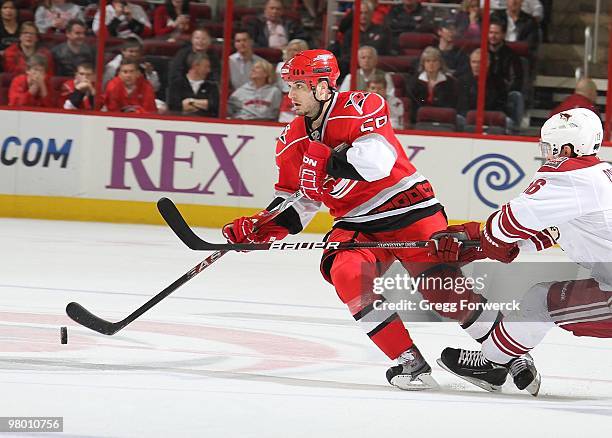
(167, 57)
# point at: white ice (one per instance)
(257, 345)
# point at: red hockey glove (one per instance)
(313, 171)
(449, 246)
(243, 230)
(494, 248)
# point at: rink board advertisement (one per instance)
(113, 168)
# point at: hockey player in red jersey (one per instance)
(341, 151)
(568, 202)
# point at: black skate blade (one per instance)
(477, 382)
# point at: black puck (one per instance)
(64, 335)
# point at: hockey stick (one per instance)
(87, 319)
(177, 223)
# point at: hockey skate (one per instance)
(412, 373)
(474, 367)
(525, 374)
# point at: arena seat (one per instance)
(239, 12)
(494, 122)
(161, 48)
(200, 11)
(399, 83)
(520, 48)
(50, 40)
(431, 118)
(407, 110)
(415, 40)
(5, 83)
(215, 29)
(401, 64)
(273, 56)
(56, 86)
(467, 45)
(25, 15)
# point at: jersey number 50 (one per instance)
(378, 122)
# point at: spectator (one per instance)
(315, 10)
(272, 30)
(193, 94)
(293, 48)
(456, 60)
(200, 43)
(495, 92)
(32, 88)
(505, 64)
(367, 59)
(433, 86)
(78, 93)
(241, 61)
(585, 96)
(287, 111)
(74, 51)
(503, 61)
(531, 7)
(258, 99)
(129, 91)
(132, 50)
(410, 16)
(378, 84)
(54, 15)
(172, 20)
(469, 20)
(9, 26)
(370, 35)
(520, 26)
(17, 54)
(124, 20)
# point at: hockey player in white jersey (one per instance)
(568, 202)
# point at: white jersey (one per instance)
(569, 202)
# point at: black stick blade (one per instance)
(81, 315)
(176, 222)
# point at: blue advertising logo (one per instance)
(494, 171)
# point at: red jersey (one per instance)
(15, 61)
(19, 93)
(575, 101)
(376, 187)
(140, 100)
(70, 98)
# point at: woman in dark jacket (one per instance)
(433, 85)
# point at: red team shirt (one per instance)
(140, 100)
(383, 184)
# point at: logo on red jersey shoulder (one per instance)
(283, 136)
(555, 163)
(357, 99)
(342, 187)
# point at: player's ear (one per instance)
(322, 90)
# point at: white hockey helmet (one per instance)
(579, 127)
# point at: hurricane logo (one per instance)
(494, 171)
(342, 188)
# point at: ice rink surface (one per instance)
(257, 345)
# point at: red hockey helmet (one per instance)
(310, 66)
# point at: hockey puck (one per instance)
(64, 335)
